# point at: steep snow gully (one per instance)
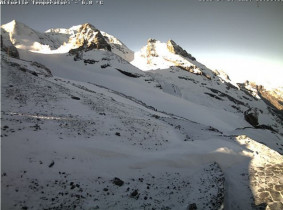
(83, 128)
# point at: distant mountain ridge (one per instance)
(63, 40)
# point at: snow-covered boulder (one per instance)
(251, 116)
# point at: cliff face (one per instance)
(89, 38)
(176, 49)
(271, 96)
(150, 48)
(7, 46)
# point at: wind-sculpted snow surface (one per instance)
(99, 133)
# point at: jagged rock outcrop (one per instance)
(222, 75)
(271, 97)
(89, 38)
(176, 49)
(150, 48)
(7, 46)
(251, 116)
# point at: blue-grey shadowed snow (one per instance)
(242, 38)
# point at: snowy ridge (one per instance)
(118, 47)
(26, 38)
(59, 40)
(83, 128)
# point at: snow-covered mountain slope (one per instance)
(178, 73)
(107, 70)
(23, 37)
(118, 47)
(63, 40)
(63, 140)
(174, 138)
(157, 55)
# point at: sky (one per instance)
(243, 38)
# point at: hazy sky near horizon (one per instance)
(242, 38)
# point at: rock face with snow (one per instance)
(89, 38)
(118, 47)
(157, 55)
(273, 98)
(110, 136)
(251, 117)
(7, 46)
(150, 48)
(23, 37)
(176, 49)
(83, 37)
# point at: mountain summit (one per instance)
(158, 55)
(60, 40)
(88, 38)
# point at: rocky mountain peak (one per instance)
(151, 48)
(176, 49)
(150, 40)
(88, 38)
(10, 27)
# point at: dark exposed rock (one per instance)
(90, 61)
(34, 73)
(128, 73)
(135, 194)
(192, 206)
(76, 52)
(221, 94)
(118, 182)
(51, 164)
(266, 127)
(39, 65)
(150, 48)
(214, 130)
(176, 49)
(214, 96)
(75, 97)
(105, 66)
(251, 116)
